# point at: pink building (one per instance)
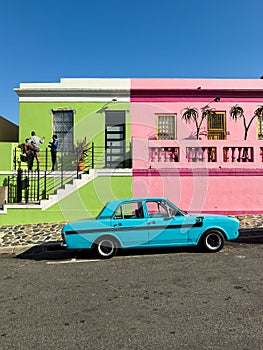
(218, 173)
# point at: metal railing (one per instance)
(94, 157)
(97, 157)
(65, 160)
(31, 186)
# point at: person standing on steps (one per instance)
(35, 141)
(53, 149)
(28, 153)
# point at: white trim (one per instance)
(76, 90)
(114, 172)
(73, 99)
(8, 172)
(83, 83)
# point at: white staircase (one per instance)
(69, 189)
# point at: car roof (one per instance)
(136, 199)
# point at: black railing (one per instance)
(65, 160)
(94, 157)
(34, 185)
(97, 157)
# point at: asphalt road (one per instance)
(179, 299)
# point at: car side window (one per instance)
(156, 209)
(159, 208)
(129, 210)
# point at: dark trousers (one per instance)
(30, 157)
(54, 160)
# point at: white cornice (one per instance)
(91, 90)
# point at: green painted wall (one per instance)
(3, 180)
(87, 202)
(84, 203)
(36, 116)
(6, 151)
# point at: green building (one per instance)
(91, 118)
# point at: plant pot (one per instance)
(81, 166)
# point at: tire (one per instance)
(106, 247)
(212, 241)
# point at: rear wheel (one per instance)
(106, 247)
(213, 241)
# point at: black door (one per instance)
(115, 139)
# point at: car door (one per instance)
(166, 225)
(129, 224)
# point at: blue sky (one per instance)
(45, 40)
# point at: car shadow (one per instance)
(54, 251)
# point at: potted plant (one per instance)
(82, 148)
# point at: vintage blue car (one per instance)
(147, 223)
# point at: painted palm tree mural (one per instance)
(192, 114)
(237, 112)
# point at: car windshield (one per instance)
(107, 211)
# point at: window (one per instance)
(166, 126)
(131, 210)
(63, 128)
(160, 209)
(216, 126)
(260, 128)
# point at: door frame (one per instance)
(112, 151)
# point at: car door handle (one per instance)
(151, 222)
(119, 224)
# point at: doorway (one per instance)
(115, 144)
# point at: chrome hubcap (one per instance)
(213, 241)
(106, 247)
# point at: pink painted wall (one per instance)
(228, 192)
(150, 96)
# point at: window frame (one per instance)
(172, 134)
(121, 211)
(217, 133)
(259, 128)
(70, 147)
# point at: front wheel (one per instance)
(106, 247)
(213, 241)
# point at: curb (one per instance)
(17, 249)
(35, 248)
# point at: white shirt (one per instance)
(35, 140)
